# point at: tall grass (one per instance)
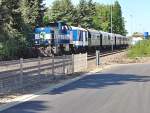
(141, 49)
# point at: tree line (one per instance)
(18, 19)
(88, 14)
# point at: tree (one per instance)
(32, 11)
(86, 12)
(41, 10)
(17, 17)
(118, 20)
(91, 13)
(61, 10)
(102, 18)
(82, 12)
(11, 28)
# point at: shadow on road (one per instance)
(101, 81)
(96, 81)
(28, 107)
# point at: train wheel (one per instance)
(48, 51)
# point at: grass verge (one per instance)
(141, 49)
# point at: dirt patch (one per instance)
(122, 58)
(7, 98)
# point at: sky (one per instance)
(135, 12)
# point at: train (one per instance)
(58, 38)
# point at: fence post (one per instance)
(53, 72)
(86, 60)
(39, 65)
(2, 88)
(97, 58)
(72, 63)
(64, 65)
(21, 71)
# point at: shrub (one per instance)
(141, 49)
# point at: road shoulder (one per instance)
(27, 97)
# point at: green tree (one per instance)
(32, 11)
(11, 29)
(86, 12)
(118, 20)
(91, 13)
(17, 17)
(102, 18)
(61, 10)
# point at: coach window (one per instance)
(95, 36)
(92, 36)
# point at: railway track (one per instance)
(92, 56)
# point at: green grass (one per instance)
(141, 49)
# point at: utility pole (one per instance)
(131, 19)
(112, 48)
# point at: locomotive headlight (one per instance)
(36, 42)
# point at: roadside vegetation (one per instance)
(141, 49)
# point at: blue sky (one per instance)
(135, 12)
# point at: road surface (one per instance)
(123, 89)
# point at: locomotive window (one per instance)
(108, 37)
(75, 34)
(80, 36)
(89, 35)
(64, 29)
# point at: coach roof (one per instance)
(78, 28)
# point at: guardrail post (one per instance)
(72, 63)
(21, 71)
(39, 65)
(97, 58)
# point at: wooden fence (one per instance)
(20, 73)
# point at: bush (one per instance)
(141, 49)
(13, 48)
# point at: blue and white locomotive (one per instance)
(53, 39)
(59, 38)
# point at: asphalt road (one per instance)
(123, 89)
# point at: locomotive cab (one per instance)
(54, 38)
